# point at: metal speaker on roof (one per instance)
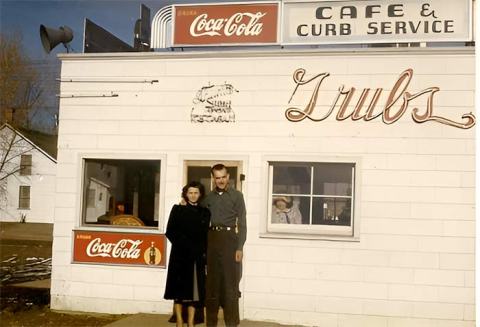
(51, 37)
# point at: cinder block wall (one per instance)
(413, 262)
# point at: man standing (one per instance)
(226, 237)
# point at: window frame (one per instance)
(25, 168)
(20, 198)
(80, 201)
(323, 232)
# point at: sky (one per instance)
(24, 17)
(116, 16)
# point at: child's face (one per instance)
(281, 205)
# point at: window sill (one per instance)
(310, 237)
(120, 229)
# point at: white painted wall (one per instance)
(413, 264)
(41, 182)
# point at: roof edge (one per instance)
(258, 52)
(28, 140)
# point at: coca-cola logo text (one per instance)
(124, 248)
(239, 24)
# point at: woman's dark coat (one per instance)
(187, 230)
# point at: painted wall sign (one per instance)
(118, 248)
(323, 22)
(225, 24)
(395, 106)
(213, 104)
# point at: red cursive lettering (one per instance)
(398, 93)
(125, 249)
(239, 24)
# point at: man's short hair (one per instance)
(218, 166)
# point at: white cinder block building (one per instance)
(372, 149)
(27, 184)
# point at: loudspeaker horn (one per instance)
(51, 37)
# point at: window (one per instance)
(311, 197)
(24, 197)
(26, 165)
(121, 192)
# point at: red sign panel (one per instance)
(119, 248)
(227, 24)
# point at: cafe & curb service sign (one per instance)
(330, 22)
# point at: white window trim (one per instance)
(299, 231)
(79, 225)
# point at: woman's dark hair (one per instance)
(194, 184)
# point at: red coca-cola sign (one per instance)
(227, 24)
(119, 248)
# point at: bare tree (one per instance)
(12, 147)
(20, 90)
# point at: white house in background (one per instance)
(27, 179)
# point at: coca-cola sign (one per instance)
(119, 248)
(225, 24)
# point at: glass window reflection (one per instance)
(332, 179)
(291, 179)
(328, 201)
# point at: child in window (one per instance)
(285, 211)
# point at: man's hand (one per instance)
(238, 256)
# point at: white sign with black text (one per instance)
(333, 22)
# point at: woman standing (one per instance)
(187, 230)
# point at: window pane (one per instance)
(24, 191)
(200, 174)
(24, 197)
(291, 179)
(26, 164)
(290, 210)
(332, 211)
(332, 179)
(91, 198)
(121, 187)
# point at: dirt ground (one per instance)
(23, 261)
(22, 307)
(40, 317)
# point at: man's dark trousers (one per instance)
(222, 278)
